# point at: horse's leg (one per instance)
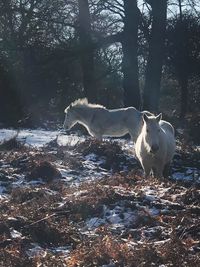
(167, 170)
(133, 136)
(158, 171)
(147, 172)
(98, 136)
(147, 169)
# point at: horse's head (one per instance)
(151, 131)
(70, 117)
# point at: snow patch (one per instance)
(38, 138)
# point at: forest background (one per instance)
(117, 53)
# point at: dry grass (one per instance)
(11, 144)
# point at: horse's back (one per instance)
(125, 111)
(169, 138)
(122, 115)
(116, 122)
(167, 127)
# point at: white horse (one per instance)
(100, 121)
(155, 146)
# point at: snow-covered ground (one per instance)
(39, 138)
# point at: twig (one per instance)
(47, 217)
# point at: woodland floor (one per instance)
(87, 204)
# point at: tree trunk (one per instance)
(156, 53)
(87, 58)
(129, 47)
(183, 58)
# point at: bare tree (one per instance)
(182, 47)
(130, 48)
(87, 57)
(156, 54)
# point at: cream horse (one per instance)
(155, 145)
(100, 121)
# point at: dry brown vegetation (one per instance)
(164, 229)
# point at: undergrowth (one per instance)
(164, 229)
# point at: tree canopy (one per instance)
(113, 52)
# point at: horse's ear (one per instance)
(159, 117)
(68, 108)
(145, 117)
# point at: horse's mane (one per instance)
(83, 102)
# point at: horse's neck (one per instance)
(140, 123)
(85, 115)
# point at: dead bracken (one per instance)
(119, 219)
(11, 144)
(44, 170)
